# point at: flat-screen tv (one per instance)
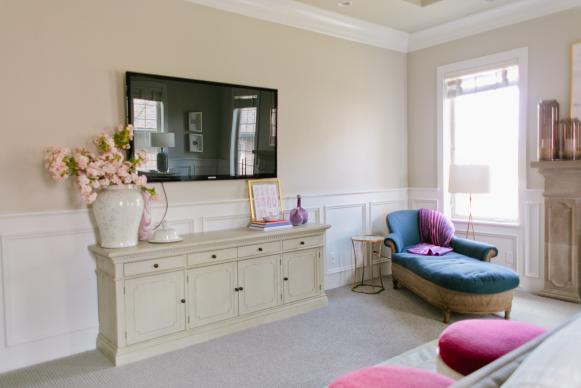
(202, 130)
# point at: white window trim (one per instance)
(519, 56)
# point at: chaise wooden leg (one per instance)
(507, 314)
(446, 316)
(395, 284)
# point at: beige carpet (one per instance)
(309, 350)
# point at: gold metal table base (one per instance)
(373, 251)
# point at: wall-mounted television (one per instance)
(202, 130)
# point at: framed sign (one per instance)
(576, 80)
(265, 199)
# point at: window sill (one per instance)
(511, 224)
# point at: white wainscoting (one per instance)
(48, 299)
(520, 247)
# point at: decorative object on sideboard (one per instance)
(117, 212)
(265, 199)
(575, 90)
(571, 143)
(469, 179)
(162, 140)
(548, 129)
(298, 215)
(108, 181)
(164, 234)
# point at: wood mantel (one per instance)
(562, 228)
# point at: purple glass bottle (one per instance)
(298, 215)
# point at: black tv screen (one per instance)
(202, 130)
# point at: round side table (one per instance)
(371, 245)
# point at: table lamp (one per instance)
(162, 140)
(469, 179)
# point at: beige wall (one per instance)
(342, 104)
(548, 40)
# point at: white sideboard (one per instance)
(157, 298)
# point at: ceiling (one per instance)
(409, 15)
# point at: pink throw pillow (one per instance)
(469, 345)
(391, 377)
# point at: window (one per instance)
(147, 118)
(481, 125)
(146, 115)
(246, 140)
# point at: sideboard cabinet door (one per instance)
(212, 294)
(258, 281)
(300, 277)
(155, 306)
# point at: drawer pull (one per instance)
(183, 301)
(302, 243)
(156, 265)
(285, 279)
(214, 256)
(259, 249)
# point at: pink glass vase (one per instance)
(298, 215)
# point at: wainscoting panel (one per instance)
(48, 300)
(424, 198)
(339, 248)
(49, 285)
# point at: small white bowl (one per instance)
(168, 235)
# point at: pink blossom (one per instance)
(94, 171)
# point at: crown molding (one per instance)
(306, 17)
(492, 19)
(299, 15)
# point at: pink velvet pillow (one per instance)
(391, 377)
(469, 345)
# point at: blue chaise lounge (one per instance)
(462, 281)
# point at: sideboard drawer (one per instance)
(304, 242)
(152, 266)
(259, 249)
(209, 256)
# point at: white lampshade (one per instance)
(163, 139)
(469, 179)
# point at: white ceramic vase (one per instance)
(118, 211)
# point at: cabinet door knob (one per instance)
(302, 243)
(240, 288)
(236, 289)
(156, 266)
(183, 301)
(259, 249)
(285, 279)
(213, 256)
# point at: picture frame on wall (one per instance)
(265, 199)
(195, 122)
(196, 142)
